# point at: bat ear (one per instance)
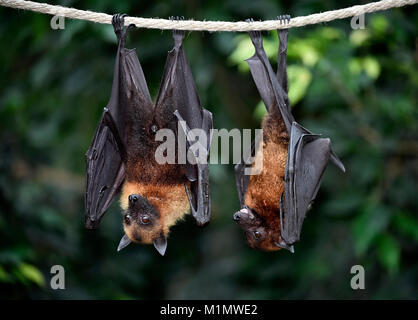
(124, 242)
(160, 244)
(335, 160)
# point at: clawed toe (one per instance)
(178, 18)
(118, 22)
(284, 19)
(254, 33)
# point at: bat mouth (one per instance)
(136, 238)
(136, 233)
(132, 234)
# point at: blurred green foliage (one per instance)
(357, 86)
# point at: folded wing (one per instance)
(107, 153)
(179, 95)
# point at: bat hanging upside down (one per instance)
(122, 156)
(274, 202)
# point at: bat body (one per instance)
(122, 157)
(261, 201)
(274, 202)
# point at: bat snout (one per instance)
(244, 214)
(133, 198)
(140, 205)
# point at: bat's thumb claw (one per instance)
(90, 224)
(284, 245)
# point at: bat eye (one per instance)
(154, 128)
(257, 234)
(145, 219)
(127, 218)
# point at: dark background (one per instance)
(357, 86)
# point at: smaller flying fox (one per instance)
(274, 202)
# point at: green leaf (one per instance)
(329, 33)
(407, 225)
(4, 276)
(260, 110)
(389, 253)
(368, 64)
(359, 37)
(372, 221)
(31, 273)
(271, 46)
(305, 50)
(299, 81)
(372, 67)
(243, 51)
(379, 24)
(355, 66)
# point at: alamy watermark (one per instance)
(358, 22)
(194, 147)
(58, 278)
(57, 23)
(358, 281)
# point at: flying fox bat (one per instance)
(274, 203)
(121, 157)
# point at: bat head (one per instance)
(258, 233)
(142, 224)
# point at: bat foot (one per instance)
(256, 36)
(180, 33)
(284, 19)
(176, 18)
(118, 22)
(255, 33)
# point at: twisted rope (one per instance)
(192, 25)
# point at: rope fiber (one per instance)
(192, 25)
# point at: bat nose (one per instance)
(133, 198)
(236, 217)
